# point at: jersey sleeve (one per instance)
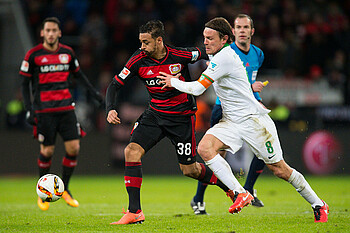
(27, 66)
(261, 58)
(26, 73)
(129, 70)
(257, 96)
(215, 70)
(74, 63)
(196, 54)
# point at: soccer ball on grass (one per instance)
(50, 188)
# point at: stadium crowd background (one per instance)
(300, 39)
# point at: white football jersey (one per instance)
(232, 86)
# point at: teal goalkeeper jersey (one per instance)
(252, 61)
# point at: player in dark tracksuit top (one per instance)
(170, 112)
(47, 67)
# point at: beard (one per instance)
(150, 53)
(51, 44)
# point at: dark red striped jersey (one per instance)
(169, 100)
(49, 72)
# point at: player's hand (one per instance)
(113, 118)
(166, 79)
(258, 86)
(30, 117)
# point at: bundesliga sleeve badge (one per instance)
(25, 66)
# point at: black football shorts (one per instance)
(151, 127)
(64, 123)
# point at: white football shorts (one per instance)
(258, 131)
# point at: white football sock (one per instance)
(223, 172)
(302, 186)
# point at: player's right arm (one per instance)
(258, 85)
(26, 73)
(196, 88)
(111, 99)
(129, 71)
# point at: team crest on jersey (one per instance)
(63, 58)
(124, 73)
(25, 66)
(195, 55)
(175, 68)
(213, 66)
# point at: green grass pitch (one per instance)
(165, 202)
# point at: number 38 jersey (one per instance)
(49, 72)
(168, 101)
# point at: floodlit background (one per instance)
(306, 46)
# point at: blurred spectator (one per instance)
(59, 9)
(78, 10)
(299, 38)
(15, 113)
(336, 69)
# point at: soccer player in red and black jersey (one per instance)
(46, 68)
(170, 113)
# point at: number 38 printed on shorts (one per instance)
(184, 148)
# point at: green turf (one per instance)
(165, 202)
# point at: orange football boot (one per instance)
(240, 200)
(321, 212)
(130, 218)
(43, 205)
(69, 199)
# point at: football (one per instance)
(50, 188)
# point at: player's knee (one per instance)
(133, 152)
(73, 149)
(204, 151)
(47, 152)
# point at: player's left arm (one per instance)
(258, 86)
(79, 75)
(85, 81)
(197, 53)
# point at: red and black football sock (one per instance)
(208, 177)
(133, 181)
(68, 164)
(44, 164)
(256, 168)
